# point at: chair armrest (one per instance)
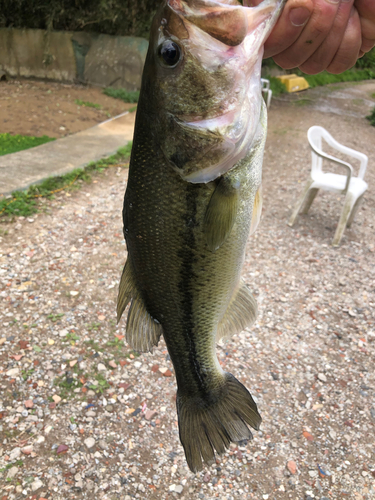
(363, 159)
(344, 164)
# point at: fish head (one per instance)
(202, 75)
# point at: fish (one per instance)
(193, 197)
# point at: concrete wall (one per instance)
(104, 60)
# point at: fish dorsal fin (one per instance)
(142, 331)
(221, 212)
(241, 313)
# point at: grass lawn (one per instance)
(13, 143)
(26, 203)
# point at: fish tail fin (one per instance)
(211, 422)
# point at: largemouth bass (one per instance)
(193, 196)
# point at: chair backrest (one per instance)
(315, 135)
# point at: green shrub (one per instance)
(371, 117)
(351, 75)
(367, 61)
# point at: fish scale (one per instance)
(186, 240)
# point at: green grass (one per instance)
(14, 143)
(124, 95)
(24, 203)
(371, 117)
(88, 104)
(325, 78)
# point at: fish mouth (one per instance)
(228, 138)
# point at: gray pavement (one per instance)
(20, 170)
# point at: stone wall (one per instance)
(104, 60)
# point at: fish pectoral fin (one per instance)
(211, 422)
(257, 210)
(126, 290)
(142, 330)
(241, 313)
(221, 212)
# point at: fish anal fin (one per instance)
(126, 290)
(241, 313)
(221, 212)
(209, 424)
(142, 331)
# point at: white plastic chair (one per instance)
(266, 91)
(352, 187)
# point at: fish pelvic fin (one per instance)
(221, 212)
(142, 330)
(241, 313)
(209, 423)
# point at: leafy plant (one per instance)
(55, 317)
(87, 104)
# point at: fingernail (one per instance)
(299, 16)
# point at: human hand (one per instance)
(315, 35)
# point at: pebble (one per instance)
(56, 398)
(150, 414)
(13, 372)
(292, 466)
(90, 442)
(35, 485)
(12, 472)
(27, 450)
(322, 377)
(101, 367)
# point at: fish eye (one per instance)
(169, 53)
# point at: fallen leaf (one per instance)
(63, 448)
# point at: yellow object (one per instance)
(293, 83)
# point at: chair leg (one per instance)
(345, 214)
(354, 211)
(300, 202)
(309, 199)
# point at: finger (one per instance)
(288, 28)
(326, 52)
(366, 10)
(348, 52)
(313, 34)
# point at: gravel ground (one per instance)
(83, 415)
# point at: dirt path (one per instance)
(81, 415)
(45, 108)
